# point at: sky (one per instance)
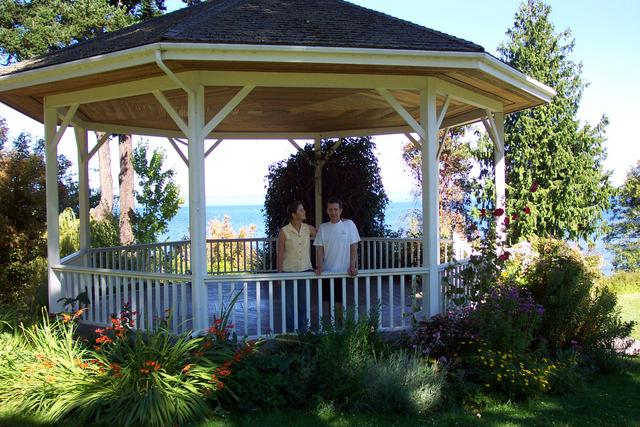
(606, 37)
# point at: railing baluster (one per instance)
(283, 308)
(367, 283)
(402, 300)
(332, 309)
(308, 301)
(258, 310)
(149, 307)
(295, 306)
(356, 297)
(246, 308)
(390, 279)
(271, 326)
(319, 282)
(379, 300)
(344, 295)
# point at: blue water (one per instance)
(396, 218)
(247, 215)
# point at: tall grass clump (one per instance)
(401, 383)
(44, 371)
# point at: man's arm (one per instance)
(319, 259)
(353, 260)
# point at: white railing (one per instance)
(154, 280)
(453, 287)
(292, 301)
(153, 297)
(248, 255)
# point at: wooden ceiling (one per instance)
(269, 109)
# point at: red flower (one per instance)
(534, 187)
(514, 217)
(506, 221)
(504, 255)
(483, 212)
(526, 210)
(498, 212)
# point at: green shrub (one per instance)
(400, 383)
(23, 288)
(577, 312)
(342, 353)
(507, 318)
(44, 371)
(623, 282)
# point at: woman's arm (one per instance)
(280, 251)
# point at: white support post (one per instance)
(497, 122)
(431, 292)
(317, 180)
(83, 190)
(53, 232)
(197, 208)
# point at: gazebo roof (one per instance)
(328, 23)
(315, 65)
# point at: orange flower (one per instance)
(144, 371)
(78, 313)
(66, 318)
(186, 369)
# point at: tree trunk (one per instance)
(125, 179)
(105, 207)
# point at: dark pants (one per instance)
(301, 303)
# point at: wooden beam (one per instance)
(443, 111)
(104, 138)
(227, 109)
(441, 143)
(213, 147)
(467, 96)
(179, 151)
(415, 142)
(402, 111)
(171, 111)
(295, 144)
(65, 123)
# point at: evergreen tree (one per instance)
(546, 147)
(623, 237)
(351, 173)
(32, 28)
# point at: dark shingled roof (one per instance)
(328, 23)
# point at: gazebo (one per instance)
(259, 69)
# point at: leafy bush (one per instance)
(577, 312)
(507, 319)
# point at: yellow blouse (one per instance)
(297, 248)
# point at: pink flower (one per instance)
(506, 221)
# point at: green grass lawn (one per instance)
(630, 304)
(609, 400)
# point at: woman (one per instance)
(294, 255)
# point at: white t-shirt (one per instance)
(336, 239)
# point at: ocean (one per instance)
(396, 218)
(246, 215)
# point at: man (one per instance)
(336, 242)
